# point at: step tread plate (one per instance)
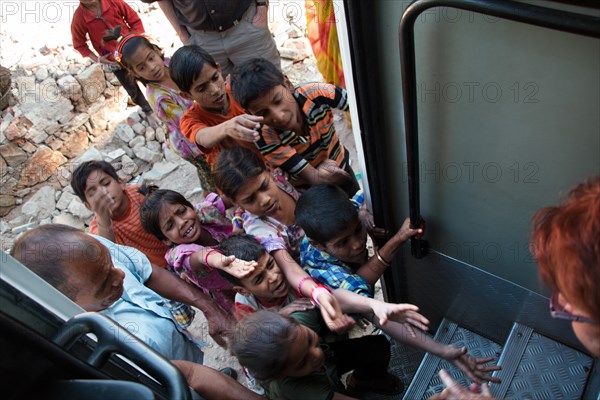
(427, 381)
(549, 370)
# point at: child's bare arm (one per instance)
(243, 127)
(212, 384)
(330, 309)
(372, 270)
(326, 172)
(215, 259)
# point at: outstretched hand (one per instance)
(406, 314)
(366, 218)
(332, 314)
(329, 172)
(473, 367)
(302, 304)
(455, 391)
(244, 127)
(236, 267)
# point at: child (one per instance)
(93, 18)
(145, 61)
(334, 252)
(215, 121)
(116, 209)
(191, 233)
(301, 137)
(266, 289)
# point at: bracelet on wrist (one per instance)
(208, 254)
(301, 282)
(381, 260)
(314, 294)
(237, 221)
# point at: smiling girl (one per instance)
(192, 232)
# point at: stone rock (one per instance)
(124, 132)
(114, 155)
(159, 171)
(79, 120)
(170, 155)
(66, 118)
(68, 219)
(12, 154)
(79, 210)
(76, 144)
(124, 176)
(91, 154)
(4, 227)
(22, 228)
(69, 86)
(26, 88)
(41, 204)
(7, 203)
(92, 83)
(30, 147)
(137, 141)
(160, 135)
(135, 117)
(128, 166)
(296, 49)
(146, 154)
(42, 73)
(65, 200)
(41, 166)
(3, 167)
(294, 31)
(36, 136)
(138, 128)
(47, 108)
(54, 143)
(150, 134)
(154, 146)
(187, 181)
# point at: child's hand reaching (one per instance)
(454, 391)
(366, 218)
(406, 232)
(244, 127)
(406, 314)
(235, 267)
(473, 367)
(331, 312)
(329, 172)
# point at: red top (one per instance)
(196, 118)
(114, 13)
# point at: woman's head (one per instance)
(566, 246)
(273, 346)
(169, 216)
(143, 59)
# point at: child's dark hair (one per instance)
(261, 342)
(324, 211)
(83, 171)
(242, 246)
(154, 201)
(130, 47)
(187, 63)
(233, 168)
(253, 78)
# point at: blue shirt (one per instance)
(143, 312)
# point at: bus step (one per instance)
(537, 367)
(426, 381)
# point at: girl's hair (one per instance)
(130, 47)
(565, 242)
(261, 342)
(234, 167)
(186, 65)
(154, 201)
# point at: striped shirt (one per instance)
(293, 151)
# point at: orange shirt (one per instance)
(129, 232)
(196, 118)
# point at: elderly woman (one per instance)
(566, 246)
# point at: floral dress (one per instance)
(169, 106)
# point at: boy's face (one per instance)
(208, 90)
(279, 109)
(266, 282)
(305, 355)
(260, 195)
(350, 245)
(103, 193)
(100, 284)
(179, 223)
